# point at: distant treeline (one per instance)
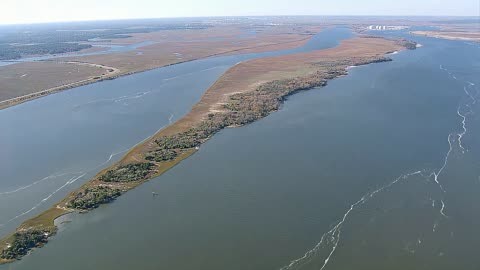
(17, 41)
(11, 52)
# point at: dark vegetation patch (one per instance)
(90, 198)
(23, 242)
(20, 41)
(241, 109)
(245, 108)
(410, 45)
(161, 155)
(11, 52)
(128, 173)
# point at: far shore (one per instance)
(450, 35)
(113, 72)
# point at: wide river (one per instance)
(378, 170)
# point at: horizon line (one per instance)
(239, 16)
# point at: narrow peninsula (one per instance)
(247, 92)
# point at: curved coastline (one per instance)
(219, 108)
(117, 73)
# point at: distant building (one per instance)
(386, 27)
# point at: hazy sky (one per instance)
(27, 11)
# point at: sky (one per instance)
(33, 11)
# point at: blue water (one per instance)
(52, 145)
(368, 172)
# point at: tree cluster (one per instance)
(23, 241)
(90, 198)
(128, 173)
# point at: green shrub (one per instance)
(128, 173)
(90, 198)
(23, 241)
(161, 155)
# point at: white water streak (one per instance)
(463, 116)
(188, 74)
(69, 182)
(445, 162)
(138, 95)
(335, 232)
(442, 209)
(158, 130)
(55, 175)
(109, 159)
(461, 134)
(465, 89)
(72, 180)
(141, 94)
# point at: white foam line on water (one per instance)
(138, 95)
(460, 135)
(445, 162)
(442, 209)
(334, 233)
(109, 159)
(55, 175)
(36, 182)
(459, 109)
(26, 187)
(158, 130)
(102, 99)
(70, 181)
(117, 99)
(73, 179)
(449, 73)
(190, 73)
(472, 44)
(468, 94)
